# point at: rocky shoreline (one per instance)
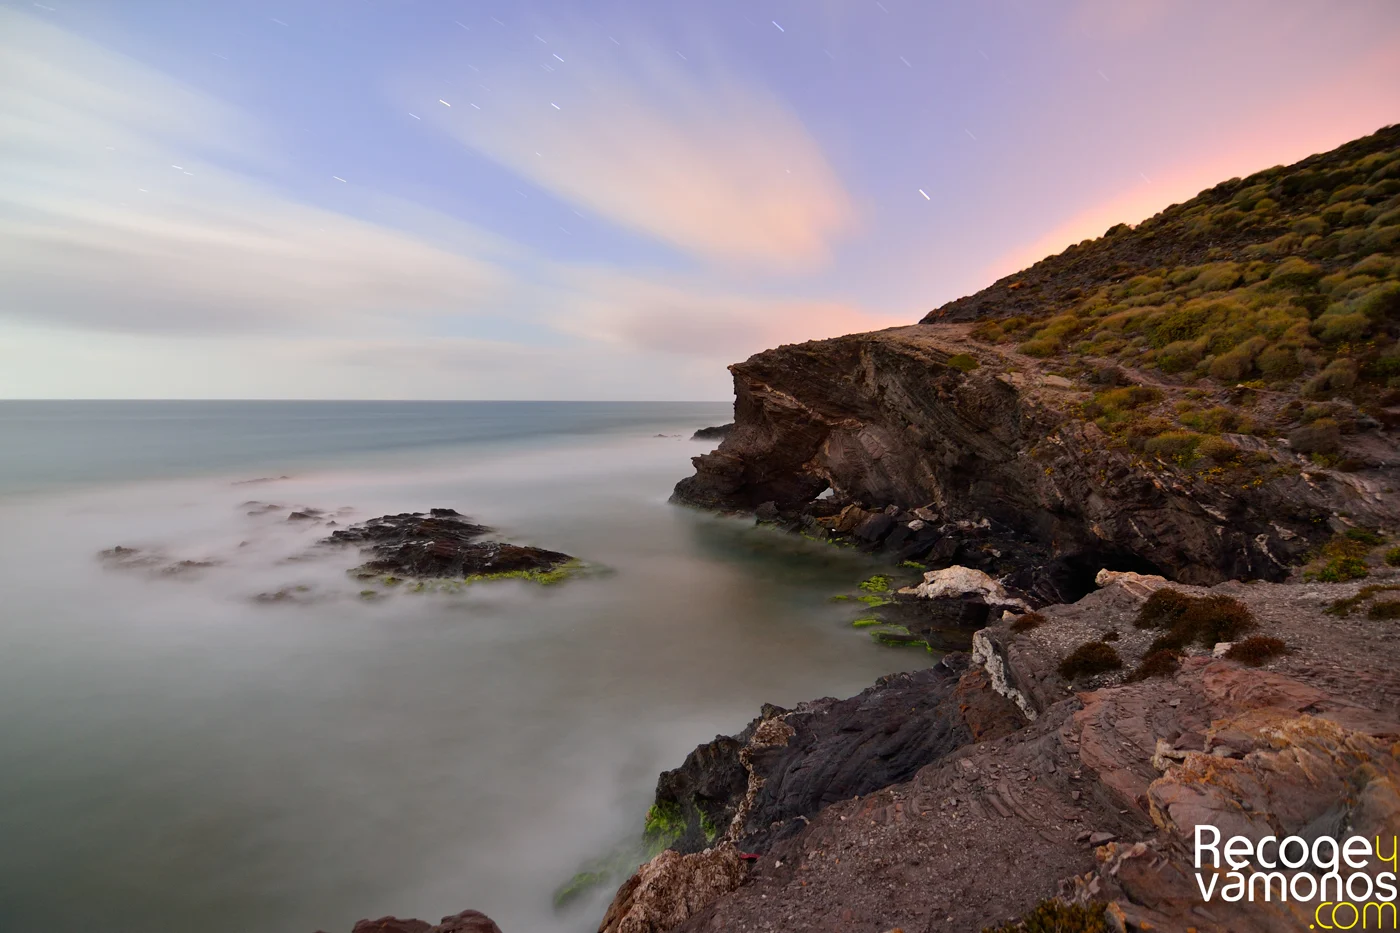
(903, 807)
(1151, 485)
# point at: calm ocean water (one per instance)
(180, 758)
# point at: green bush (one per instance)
(1179, 356)
(1279, 363)
(963, 362)
(1341, 328)
(1385, 609)
(1345, 606)
(1294, 272)
(1342, 569)
(1040, 348)
(1392, 557)
(1232, 366)
(1176, 446)
(1381, 303)
(1218, 450)
(1364, 536)
(1219, 276)
(1323, 436)
(1211, 421)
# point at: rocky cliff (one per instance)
(924, 418)
(1208, 396)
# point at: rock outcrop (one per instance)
(672, 888)
(761, 785)
(1095, 799)
(898, 422)
(468, 921)
(442, 545)
(715, 433)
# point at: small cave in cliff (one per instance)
(1074, 575)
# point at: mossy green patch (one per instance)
(708, 827)
(879, 583)
(897, 636)
(554, 575)
(664, 825)
(867, 621)
(873, 601)
(579, 885)
(1345, 607)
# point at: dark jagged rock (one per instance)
(441, 544)
(716, 433)
(468, 921)
(758, 787)
(391, 925)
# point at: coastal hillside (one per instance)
(1287, 279)
(1210, 395)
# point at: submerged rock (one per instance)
(131, 558)
(443, 544)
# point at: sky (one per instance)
(581, 199)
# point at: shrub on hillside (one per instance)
(1177, 446)
(1323, 436)
(1093, 657)
(1202, 620)
(1295, 273)
(1256, 650)
(1163, 662)
(1027, 621)
(1384, 609)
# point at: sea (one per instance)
(180, 756)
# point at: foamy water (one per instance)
(180, 757)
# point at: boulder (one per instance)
(440, 545)
(958, 582)
(671, 888)
(468, 921)
(716, 433)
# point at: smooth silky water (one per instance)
(176, 757)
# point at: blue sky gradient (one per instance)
(436, 199)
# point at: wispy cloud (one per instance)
(116, 212)
(672, 315)
(668, 147)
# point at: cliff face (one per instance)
(923, 417)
